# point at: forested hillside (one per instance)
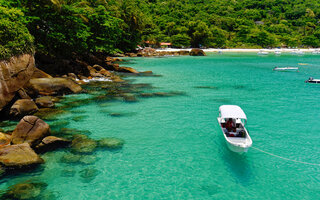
(236, 23)
(65, 27)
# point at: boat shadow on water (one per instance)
(237, 164)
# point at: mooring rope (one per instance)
(271, 154)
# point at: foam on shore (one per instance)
(96, 80)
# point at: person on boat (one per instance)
(230, 126)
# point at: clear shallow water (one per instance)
(174, 147)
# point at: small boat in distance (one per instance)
(236, 136)
(261, 53)
(316, 51)
(297, 52)
(312, 80)
(286, 69)
(277, 52)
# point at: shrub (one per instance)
(15, 38)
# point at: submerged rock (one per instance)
(86, 159)
(19, 156)
(79, 118)
(207, 87)
(89, 174)
(162, 94)
(83, 144)
(129, 98)
(116, 114)
(70, 158)
(26, 190)
(59, 124)
(70, 132)
(146, 95)
(30, 129)
(111, 143)
(49, 113)
(68, 172)
(23, 107)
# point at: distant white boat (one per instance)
(315, 52)
(286, 69)
(237, 136)
(277, 52)
(312, 80)
(297, 52)
(261, 53)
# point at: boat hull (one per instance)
(293, 69)
(237, 149)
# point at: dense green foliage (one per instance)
(65, 27)
(15, 38)
(236, 23)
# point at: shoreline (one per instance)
(283, 50)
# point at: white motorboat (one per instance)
(262, 53)
(237, 136)
(312, 80)
(277, 52)
(286, 69)
(297, 52)
(316, 52)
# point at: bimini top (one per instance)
(232, 111)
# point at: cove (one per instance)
(173, 147)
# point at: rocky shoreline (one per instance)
(32, 101)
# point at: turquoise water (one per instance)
(174, 148)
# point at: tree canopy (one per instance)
(65, 27)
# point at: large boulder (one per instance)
(14, 74)
(45, 102)
(126, 70)
(23, 107)
(197, 52)
(30, 130)
(52, 86)
(18, 156)
(50, 143)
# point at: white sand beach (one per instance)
(283, 50)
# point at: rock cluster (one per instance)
(17, 151)
(148, 52)
(197, 52)
(14, 74)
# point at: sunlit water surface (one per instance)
(174, 148)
